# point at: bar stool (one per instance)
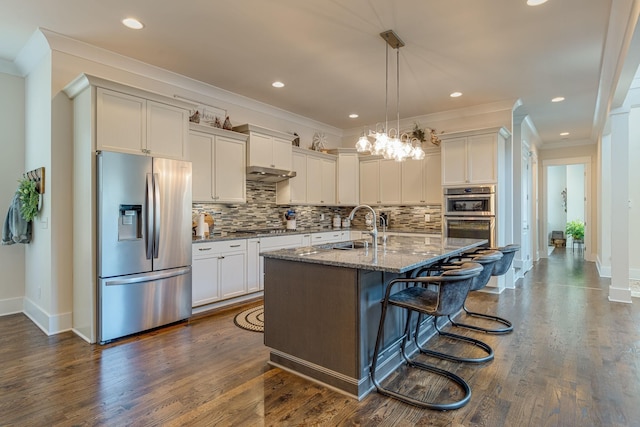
(451, 288)
(488, 259)
(500, 268)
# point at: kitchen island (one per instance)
(322, 306)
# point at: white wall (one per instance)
(634, 193)
(12, 118)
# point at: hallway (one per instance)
(573, 360)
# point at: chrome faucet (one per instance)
(383, 222)
(374, 232)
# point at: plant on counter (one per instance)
(29, 199)
(575, 229)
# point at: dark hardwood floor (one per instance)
(573, 360)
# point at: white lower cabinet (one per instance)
(254, 279)
(329, 237)
(219, 271)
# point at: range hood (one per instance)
(260, 173)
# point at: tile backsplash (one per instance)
(261, 211)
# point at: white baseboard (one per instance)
(49, 324)
(11, 306)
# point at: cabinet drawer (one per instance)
(203, 250)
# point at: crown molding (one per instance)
(187, 86)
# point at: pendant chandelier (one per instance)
(388, 142)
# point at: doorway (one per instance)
(566, 189)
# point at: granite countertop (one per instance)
(399, 255)
(232, 235)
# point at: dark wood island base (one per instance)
(321, 319)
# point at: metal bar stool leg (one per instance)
(482, 345)
(461, 383)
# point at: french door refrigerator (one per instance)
(144, 243)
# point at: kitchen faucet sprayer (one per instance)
(374, 232)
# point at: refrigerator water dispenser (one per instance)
(130, 224)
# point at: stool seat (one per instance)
(451, 289)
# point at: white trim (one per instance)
(620, 295)
(11, 306)
(588, 238)
(49, 324)
(194, 88)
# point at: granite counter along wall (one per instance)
(261, 211)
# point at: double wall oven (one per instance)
(470, 212)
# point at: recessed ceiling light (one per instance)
(133, 23)
(535, 2)
(353, 116)
(456, 94)
(277, 84)
(564, 134)
(558, 99)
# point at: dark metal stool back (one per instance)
(508, 252)
(489, 259)
(448, 298)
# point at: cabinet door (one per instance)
(233, 274)
(314, 180)
(204, 288)
(282, 154)
(390, 181)
(254, 279)
(298, 185)
(412, 182)
(454, 161)
(482, 151)
(229, 171)
(201, 156)
(348, 179)
(328, 180)
(260, 150)
(121, 122)
(369, 182)
(167, 130)
(432, 179)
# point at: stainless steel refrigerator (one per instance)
(144, 243)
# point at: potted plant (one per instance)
(575, 229)
(29, 199)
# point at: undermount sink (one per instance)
(354, 244)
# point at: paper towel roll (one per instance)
(200, 229)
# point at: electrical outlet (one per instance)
(321, 217)
(427, 217)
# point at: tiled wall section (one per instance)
(261, 211)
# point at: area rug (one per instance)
(635, 288)
(251, 319)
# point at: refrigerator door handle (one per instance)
(148, 278)
(156, 210)
(149, 213)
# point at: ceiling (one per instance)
(332, 59)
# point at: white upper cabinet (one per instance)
(218, 165)
(471, 159)
(267, 148)
(380, 181)
(314, 183)
(348, 177)
(135, 125)
(421, 180)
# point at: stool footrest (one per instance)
(484, 346)
(500, 331)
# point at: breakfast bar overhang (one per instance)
(322, 306)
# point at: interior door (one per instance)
(525, 250)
